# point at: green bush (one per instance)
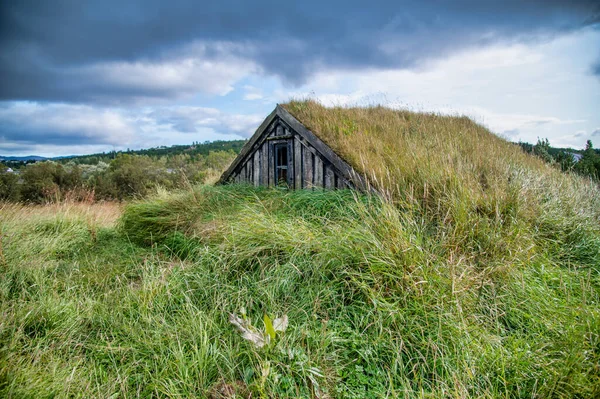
(9, 185)
(48, 181)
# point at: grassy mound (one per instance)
(477, 275)
(382, 300)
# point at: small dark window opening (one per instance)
(281, 164)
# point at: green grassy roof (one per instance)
(446, 163)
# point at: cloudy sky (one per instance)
(87, 76)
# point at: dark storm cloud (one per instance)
(67, 50)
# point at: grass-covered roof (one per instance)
(447, 163)
(400, 149)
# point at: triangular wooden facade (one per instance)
(283, 151)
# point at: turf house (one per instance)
(283, 152)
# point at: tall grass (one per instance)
(506, 314)
(478, 283)
(450, 166)
(380, 303)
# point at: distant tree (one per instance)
(565, 160)
(542, 150)
(49, 181)
(526, 146)
(9, 185)
(219, 160)
(119, 175)
(136, 175)
(589, 165)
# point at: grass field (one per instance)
(378, 304)
(476, 274)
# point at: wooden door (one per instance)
(283, 163)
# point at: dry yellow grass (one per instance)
(430, 159)
(101, 214)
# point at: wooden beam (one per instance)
(318, 172)
(329, 177)
(264, 152)
(307, 168)
(270, 162)
(256, 170)
(289, 136)
(297, 163)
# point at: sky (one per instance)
(81, 77)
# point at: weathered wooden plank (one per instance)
(271, 165)
(279, 130)
(307, 167)
(256, 170)
(287, 136)
(340, 183)
(290, 163)
(318, 172)
(329, 177)
(250, 169)
(264, 165)
(297, 163)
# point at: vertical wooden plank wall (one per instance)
(329, 177)
(318, 172)
(256, 169)
(271, 165)
(264, 164)
(309, 169)
(297, 163)
(249, 169)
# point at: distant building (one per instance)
(576, 157)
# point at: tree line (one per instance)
(131, 174)
(585, 162)
(124, 176)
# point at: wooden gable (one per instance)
(282, 151)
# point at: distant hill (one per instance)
(191, 149)
(23, 159)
